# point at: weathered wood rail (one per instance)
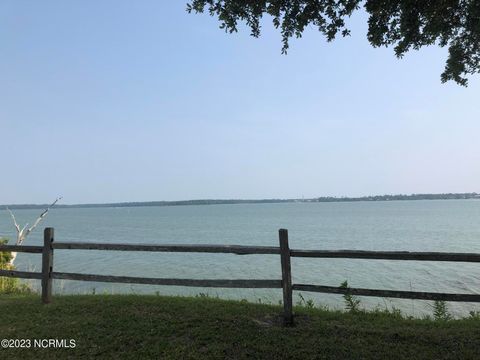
(47, 275)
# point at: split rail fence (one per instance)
(47, 275)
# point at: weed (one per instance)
(352, 303)
(440, 311)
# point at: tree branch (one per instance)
(14, 221)
(40, 218)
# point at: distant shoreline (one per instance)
(448, 196)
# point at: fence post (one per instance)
(286, 277)
(47, 265)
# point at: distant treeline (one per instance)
(449, 196)
(154, 203)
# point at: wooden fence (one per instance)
(47, 275)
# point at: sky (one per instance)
(109, 101)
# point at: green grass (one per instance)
(138, 327)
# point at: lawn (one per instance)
(138, 327)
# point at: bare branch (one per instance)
(14, 221)
(22, 233)
(40, 218)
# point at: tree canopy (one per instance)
(403, 24)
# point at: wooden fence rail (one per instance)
(47, 275)
(228, 249)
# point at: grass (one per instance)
(139, 326)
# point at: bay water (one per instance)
(437, 225)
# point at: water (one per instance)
(451, 226)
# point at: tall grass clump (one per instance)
(309, 304)
(474, 315)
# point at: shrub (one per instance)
(10, 285)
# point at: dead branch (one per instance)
(25, 231)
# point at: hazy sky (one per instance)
(104, 101)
